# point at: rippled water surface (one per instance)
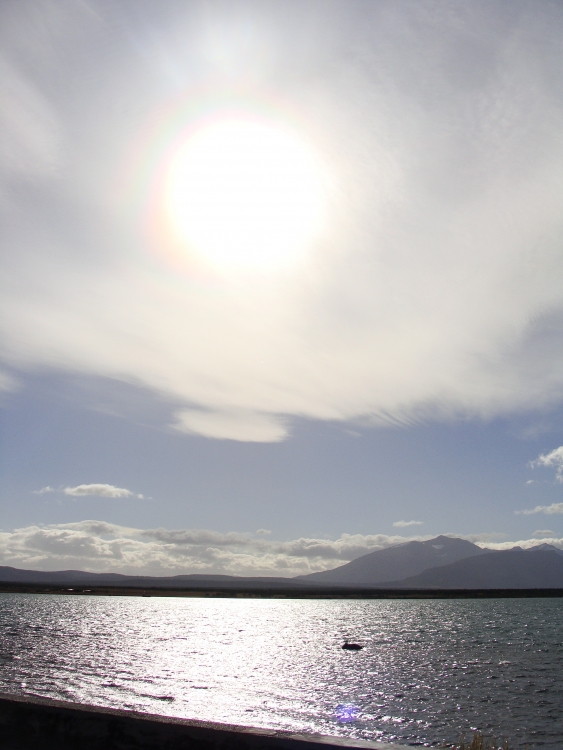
(429, 670)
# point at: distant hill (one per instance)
(82, 578)
(509, 569)
(543, 547)
(398, 562)
(440, 563)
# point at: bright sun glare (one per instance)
(245, 193)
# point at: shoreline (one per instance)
(254, 592)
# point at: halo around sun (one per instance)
(240, 192)
(244, 193)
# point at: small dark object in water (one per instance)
(352, 646)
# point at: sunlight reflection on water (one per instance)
(429, 670)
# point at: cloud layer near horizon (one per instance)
(98, 546)
(436, 290)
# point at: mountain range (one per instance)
(509, 569)
(449, 563)
(398, 562)
(440, 563)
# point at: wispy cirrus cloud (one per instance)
(548, 510)
(7, 382)
(436, 201)
(29, 126)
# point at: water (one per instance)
(429, 671)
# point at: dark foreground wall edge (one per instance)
(33, 723)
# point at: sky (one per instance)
(281, 281)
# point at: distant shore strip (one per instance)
(254, 592)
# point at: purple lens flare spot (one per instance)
(346, 712)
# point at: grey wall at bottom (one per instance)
(33, 723)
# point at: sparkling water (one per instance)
(429, 671)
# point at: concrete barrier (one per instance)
(33, 723)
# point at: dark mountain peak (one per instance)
(399, 561)
(544, 547)
(507, 569)
(442, 541)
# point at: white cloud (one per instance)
(8, 382)
(553, 460)
(523, 543)
(243, 425)
(403, 524)
(543, 533)
(101, 546)
(30, 143)
(549, 510)
(43, 490)
(435, 290)
(484, 539)
(99, 490)
(263, 532)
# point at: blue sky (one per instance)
(189, 386)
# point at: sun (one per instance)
(244, 193)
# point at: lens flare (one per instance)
(347, 712)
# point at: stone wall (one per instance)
(32, 723)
